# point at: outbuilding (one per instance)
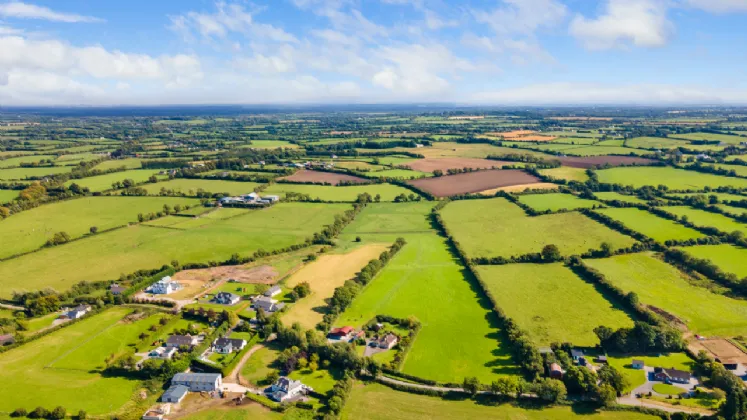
(175, 394)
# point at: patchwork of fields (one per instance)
(648, 224)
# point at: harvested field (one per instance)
(326, 177)
(592, 161)
(721, 349)
(523, 135)
(263, 274)
(444, 164)
(473, 182)
(522, 187)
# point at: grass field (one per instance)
(244, 412)
(377, 402)
(398, 173)
(567, 173)
(7, 196)
(23, 173)
(29, 376)
(497, 227)
(104, 182)
(727, 257)
(653, 226)
(656, 143)
(339, 194)
(17, 161)
(722, 197)
(261, 363)
(725, 138)
(557, 201)
(663, 286)
(131, 163)
(702, 218)
(141, 247)
(271, 144)
(29, 230)
(324, 275)
(674, 179)
(637, 377)
(612, 196)
(191, 186)
(552, 303)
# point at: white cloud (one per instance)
(642, 23)
(719, 6)
(523, 16)
(30, 11)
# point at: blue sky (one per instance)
(485, 52)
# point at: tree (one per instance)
(471, 385)
(39, 413)
(438, 172)
(607, 249)
(505, 385)
(614, 378)
(4, 212)
(82, 415)
(606, 395)
(19, 412)
(58, 413)
(578, 379)
(735, 407)
(551, 253)
(550, 390)
(94, 230)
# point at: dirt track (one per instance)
(329, 177)
(444, 164)
(472, 182)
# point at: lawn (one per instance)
(321, 380)
(377, 402)
(27, 379)
(30, 229)
(191, 186)
(104, 182)
(339, 194)
(567, 173)
(552, 303)
(7, 196)
(668, 389)
(637, 377)
(612, 196)
(23, 173)
(324, 275)
(650, 225)
(727, 257)
(499, 228)
(557, 201)
(460, 336)
(131, 163)
(674, 179)
(106, 256)
(702, 218)
(663, 286)
(244, 412)
(261, 363)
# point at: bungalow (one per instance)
(228, 345)
(225, 298)
(164, 353)
(638, 364)
(7, 339)
(197, 382)
(671, 375)
(116, 289)
(343, 333)
(273, 291)
(556, 372)
(77, 312)
(271, 198)
(175, 394)
(388, 341)
(286, 389)
(268, 305)
(164, 286)
(181, 340)
(576, 355)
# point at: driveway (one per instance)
(648, 386)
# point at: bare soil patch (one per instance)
(264, 274)
(522, 135)
(472, 182)
(444, 164)
(522, 187)
(722, 349)
(323, 177)
(592, 161)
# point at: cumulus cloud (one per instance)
(642, 23)
(30, 11)
(523, 16)
(719, 6)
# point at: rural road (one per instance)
(235, 375)
(12, 307)
(639, 402)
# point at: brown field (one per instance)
(521, 188)
(444, 164)
(324, 275)
(473, 182)
(721, 349)
(522, 135)
(327, 177)
(592, 161)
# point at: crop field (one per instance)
(131, 163)
(425, 281)
(499, 228)
(377, 402)
(323, 177)
(348, 193)
(566, 172)
(674, 179)
(324, 275)
(25, 173)
(612, 196)
(663, 286)
(727, 257)
(702, 218)
(649, 224)
(191, 187)
(140, 247)
(29, 376)
(473, 182)
(444, 164)
(29, 230)
(552, 303)
(104, 182)
(557, 201)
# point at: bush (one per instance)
(39, 413)
(58, 413)
(19, 412)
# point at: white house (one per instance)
(197, 382)
(225, 298)
(273, 291)
(77, 312)
(164, 353)
(181, 340)
(268, 305)
(285, 389)
(164, 286)
(228, 345)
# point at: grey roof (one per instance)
(235, 342)
(272, 290)
(577, 353)
(180, 340)
(196, 377)
(638, 362)
(678, 374)
(175, 392)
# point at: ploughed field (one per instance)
(594, 161)
(472, 182)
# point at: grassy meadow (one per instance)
(339, 194)
(190, 187)
(7, 196)
(104, 182)
(702, 218)
(24, 173)
(651, 225)
(611, 196)
(131, 163)
(674, 179)
(567, 173)
(727, 257)
(557, 201)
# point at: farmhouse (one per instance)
(7, 339)
(225, 298)
(638, 364)
(342, 333)
(77, 312)
(228, 345)
(164, 286)
(286, 389)
(181, 340)
(577, 355)
(268, 305)
(671, 375)
(273, 291)
(197, 382)
(116, 289)
(164, 353)
(388, 341)
(175, 394)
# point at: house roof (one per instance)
(638, 362)
(675, 373)
(388, 339)
(342, 330)
(555, 367)
(577, 353)
(180, 340)
(196, 377)
(175, 391)
(271, 290)
(235, 342)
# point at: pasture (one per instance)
(552, 303)
(29, 230)
(567, 173)
(383, 222)
(190, 187)
(648, 224)
(557, 201)
(656, 143)
(663, 286)
(702, 218)
(615, 196)
(6, 196)
(271, 144)
(131, 163)
(109, 254)
(498, 228)
(725, 138)
(17, 161)
(26, 173)
(672, 178)
(727, 257)
(348, 193)
(104, 182)
(637, 377)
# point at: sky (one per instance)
(468, 52)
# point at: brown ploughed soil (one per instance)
(328, 177)
(592, 161)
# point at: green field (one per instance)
(637, 377)
(398, 173)
(722, 197)
(552, 303)
(17, 161)
(339, 194)
(653, 226)
(106, 256)
(567, 173)
(729, 258)
(702, 218)
(271, 144)
(104, 182)
(674, 179)
(663, 286)
(499, 228)
(261, 363)
(725, 138)
(191, 186)
(557, 201)
(656, 143)
(23, 173)
(605, 150)
(377, 402)
(246, 412)
(611, 196)
(131, 163)
(29, 230)
(7, 196)
(30, 376)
